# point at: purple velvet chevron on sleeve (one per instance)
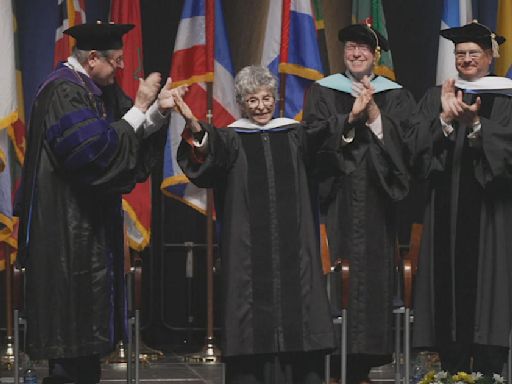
(82, 141)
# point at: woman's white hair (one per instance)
(251, 79)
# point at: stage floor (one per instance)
(170, 368)
(181, 368)
(175, 369)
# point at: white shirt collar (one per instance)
(74, 64)
(354, 80)
(274, 123)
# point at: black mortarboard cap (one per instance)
(363, 33)
(476, 33)
(99, 36)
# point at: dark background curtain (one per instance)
(174, 310)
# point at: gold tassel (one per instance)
(377, 48)
(377, 55)
(495, 46)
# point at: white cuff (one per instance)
(349, 138)
(376, 127)
(203, 142)
(475, 132)
(447, 128)
(154, 119)
(135, 117)
(474, 136)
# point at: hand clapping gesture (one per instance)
(454, 108)
(165, 98)
(185, 111)
(364, 106)
(147, 91)
(470, 113)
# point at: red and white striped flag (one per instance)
(201, 55)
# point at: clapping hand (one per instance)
(363, 104)
(372, 108)
(359, 106)
(185, 111)
(165, 97)
(451, 102)
(147, 91)
(454, 108)
(470, 113)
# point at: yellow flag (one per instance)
(504, 28)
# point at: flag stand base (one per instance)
(7, 355)
(118, 356)
(210, 354)
(148, 353)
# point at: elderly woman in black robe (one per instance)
(276, 320)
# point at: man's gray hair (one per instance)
(81, 56)
(251, 79)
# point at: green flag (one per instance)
(371, 11)
(320, 29)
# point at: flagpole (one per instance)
(282, 93)
(7, 356)
(283, 54)
(210, 353)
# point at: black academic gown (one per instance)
(274, 296)
(463, 289)
(362, 180)
(71, 223)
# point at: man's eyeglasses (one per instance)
(363, 48)
(254, 102)
(473, 54)
(115, 61)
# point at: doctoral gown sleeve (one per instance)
(426, 145)
(496, 143)
(222, 149)
(88, 149)
(151, 147)
(317, 111)
(387, 155)
(318, 134)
